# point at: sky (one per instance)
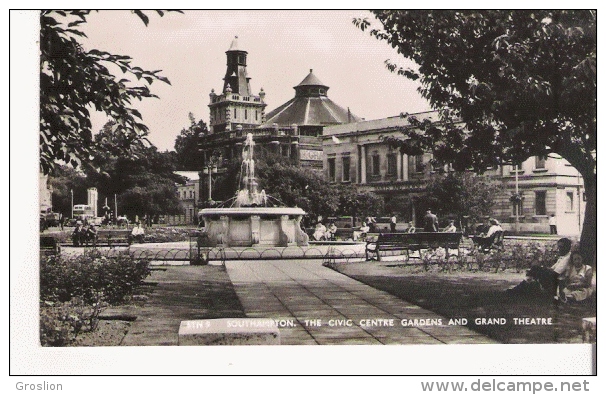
(282, 47)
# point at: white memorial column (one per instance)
(404, 167)
(362, 164)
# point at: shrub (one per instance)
(61, 322)
(91, 276)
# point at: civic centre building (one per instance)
(355, 153)
(315, 132)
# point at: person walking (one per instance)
(392, 223)
(431, 222)
(553, 225)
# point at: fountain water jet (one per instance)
(250, 221)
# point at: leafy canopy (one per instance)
(74, 81)
(523, 83)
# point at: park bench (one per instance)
(495, 242)
(113, 237)
(49, 246)
(413, 242)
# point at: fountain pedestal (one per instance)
(252, 226)
(250, 222)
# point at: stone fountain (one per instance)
(251, 219)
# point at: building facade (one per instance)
(355, 153)
(189, 195)
(292, 130)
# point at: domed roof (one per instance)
(310, 106)
(312, 80)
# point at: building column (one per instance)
(399, 166)
(362, 164)
(404, 167)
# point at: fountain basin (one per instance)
(251, 226)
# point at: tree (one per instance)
(63, 181)
(458, 195)
(508, 85)
(186, 145)
(73, 81)
(144, 181)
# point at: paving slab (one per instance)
(329, 308)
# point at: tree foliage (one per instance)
(63, 180)
(458, 195)
(144, 181)
(186, 145)
(74, 81)
(508, 84)
(298, 187)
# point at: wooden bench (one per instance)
(413, 242)
(113, 237)
(495, 242)
(49, 246)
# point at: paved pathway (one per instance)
(299, 291)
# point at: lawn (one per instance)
(477, 295)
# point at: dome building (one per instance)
(311, 109)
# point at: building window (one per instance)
(540, 162)
(570, 201)
(256, 115)
(376, 164)
(346, 166)
(539, 203)
(245, 114)
(235, 113)
(331, 169)
(392, 167)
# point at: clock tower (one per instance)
(236, 105)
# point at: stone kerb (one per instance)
(229, 331)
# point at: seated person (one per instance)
(451, 228)
(411, 228)
(91, 235)
(361, 233)
(320, 232)
(331, 232)
(485, 240)
(138, 234)
(541, 279)
(78, 235)
(576, 286)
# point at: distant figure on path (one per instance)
(392, 223)
(553, 225)
(431, 222)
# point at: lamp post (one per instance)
(209, 170)
(71, 192)
(517, 203)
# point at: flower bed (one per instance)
(75, 289)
